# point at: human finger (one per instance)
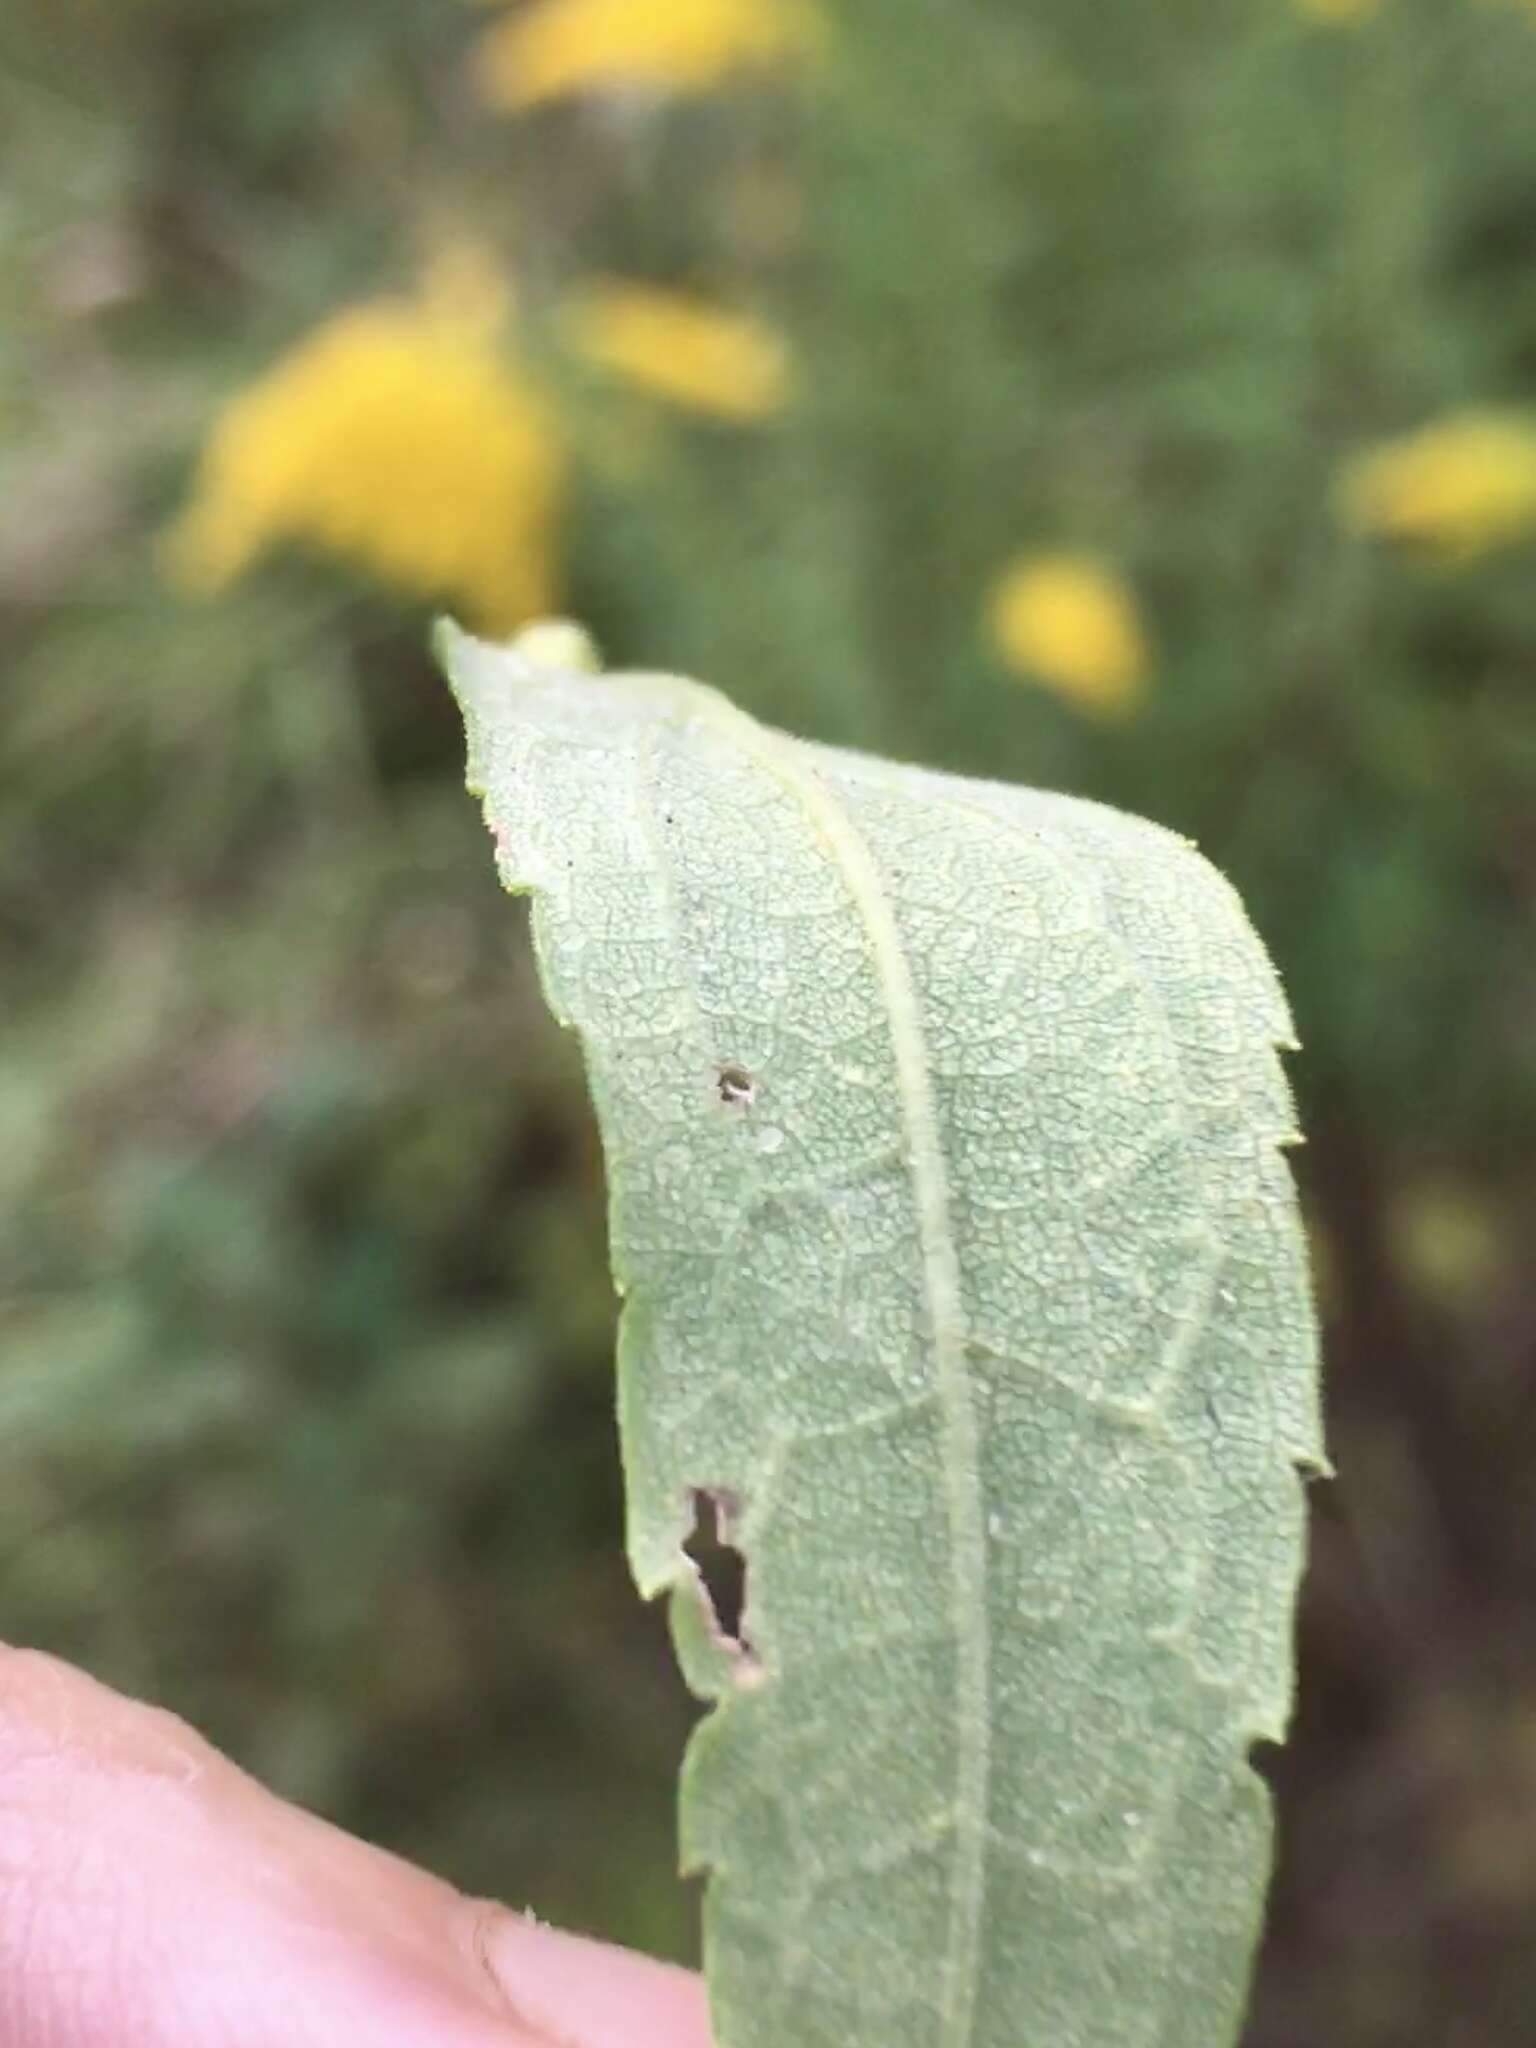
(152, 1895)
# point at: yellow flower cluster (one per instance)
(398, 438)
(1461, 486)
(401, 437)
(683, 351)
(556, 48)
(1066, 621)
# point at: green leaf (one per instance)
(962, 1275)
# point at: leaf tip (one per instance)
(558, 644)
(551, 646)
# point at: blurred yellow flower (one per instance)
(555, 48)
(682, 350)
(1446, 1239)
(398, 437)
(1074, 626)
(1339, 10)
(1461, 485)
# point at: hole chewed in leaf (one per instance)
(1266, 1759)
(737, 1088)
(720, 1571)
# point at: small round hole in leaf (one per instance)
(737, 1088)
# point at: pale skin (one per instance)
(154, 1896)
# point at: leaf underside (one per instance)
(963, 1276)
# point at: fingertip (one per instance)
(587, 1994)
(208, 1909)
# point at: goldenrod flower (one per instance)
(1447, 1238)
(555, 48)
(397, 437)
(1339, 10)
(683, 350)
(1462, 485)
(1074, 626)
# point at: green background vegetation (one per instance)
(305, 1391)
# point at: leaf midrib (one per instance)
(961, 1448)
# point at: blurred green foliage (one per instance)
(304, 1403)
